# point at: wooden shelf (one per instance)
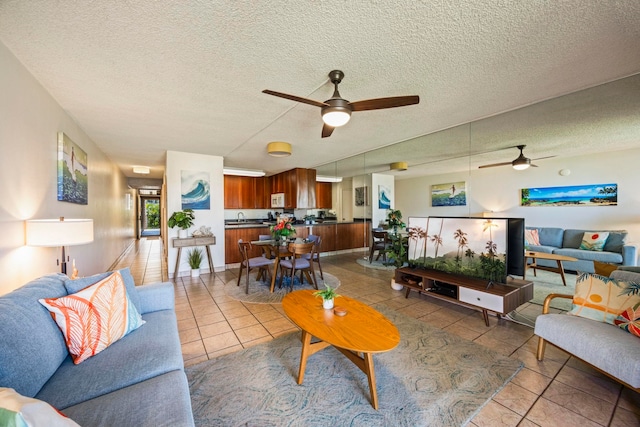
(500, 298)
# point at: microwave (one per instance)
(277, 200)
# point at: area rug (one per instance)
(377, 265)
(432, 378)
(259, 291)
(544, 283)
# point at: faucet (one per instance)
(243, 217)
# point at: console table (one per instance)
(501, 298)
(190, 242)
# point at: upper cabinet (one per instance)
(244, 192)
(324, 195)
(298, 186)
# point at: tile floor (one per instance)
(560, 391)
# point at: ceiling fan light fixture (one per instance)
(279, 149)
(399, 166)
(336, 116)
(521, 163)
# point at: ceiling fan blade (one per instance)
(540, 158)
(295, 98)
(494, 165)
(327, 130)
(533, 166)
(380, 103)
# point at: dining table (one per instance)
(274, 250)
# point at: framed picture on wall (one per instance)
(450, 194)
(73, 174)
(362, 196)
(195, 190)
(384, 197)
(572, 195)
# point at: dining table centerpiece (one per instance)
(282, 230)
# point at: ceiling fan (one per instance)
(336, 111)
(521, 163)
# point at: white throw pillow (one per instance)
(20, 411)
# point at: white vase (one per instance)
(327, 304)
(195, 272)
(182, 233)
(396, 286)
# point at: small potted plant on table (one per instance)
(328, 295)
(195, 258)
(183, 220)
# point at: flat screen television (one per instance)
(483, 248)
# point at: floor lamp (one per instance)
(59, 232)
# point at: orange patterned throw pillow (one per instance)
(94, 318)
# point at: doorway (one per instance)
(149, 216)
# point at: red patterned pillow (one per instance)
(629, 320)
(532, 237)
(94, 318)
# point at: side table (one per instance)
(191, 242)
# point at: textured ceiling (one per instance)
(142, 78)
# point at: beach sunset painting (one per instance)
(574, 195)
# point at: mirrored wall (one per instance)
(574, 124)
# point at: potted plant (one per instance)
(328, 295)
(195, 258)
(183, 220)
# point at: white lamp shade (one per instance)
(58, 232)
(336, 118)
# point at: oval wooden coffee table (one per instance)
(362, 330)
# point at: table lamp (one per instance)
(59, 232)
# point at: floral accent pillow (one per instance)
(629, 320)
(602, 298)
(594, 240)
(94, 318)
(532, 237)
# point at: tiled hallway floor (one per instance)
(559, 391)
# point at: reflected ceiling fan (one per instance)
(521, 163)
(336, 111)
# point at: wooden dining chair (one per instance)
(247, 264)
(298, 262)
(316, 253)
(379, 242)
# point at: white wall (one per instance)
(214, 217)
(498, 190)
(29, 122)
(379, 216)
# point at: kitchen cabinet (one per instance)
(239, 192)
(324, 195)
(245, 192)
(298, 186)
(352, 235)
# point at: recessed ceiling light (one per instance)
(141, 169)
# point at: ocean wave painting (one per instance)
(195, 190)
(384, 201)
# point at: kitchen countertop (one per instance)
(264, 224)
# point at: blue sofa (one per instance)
(567, 242)
(137, 381)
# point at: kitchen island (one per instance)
(336, 236)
